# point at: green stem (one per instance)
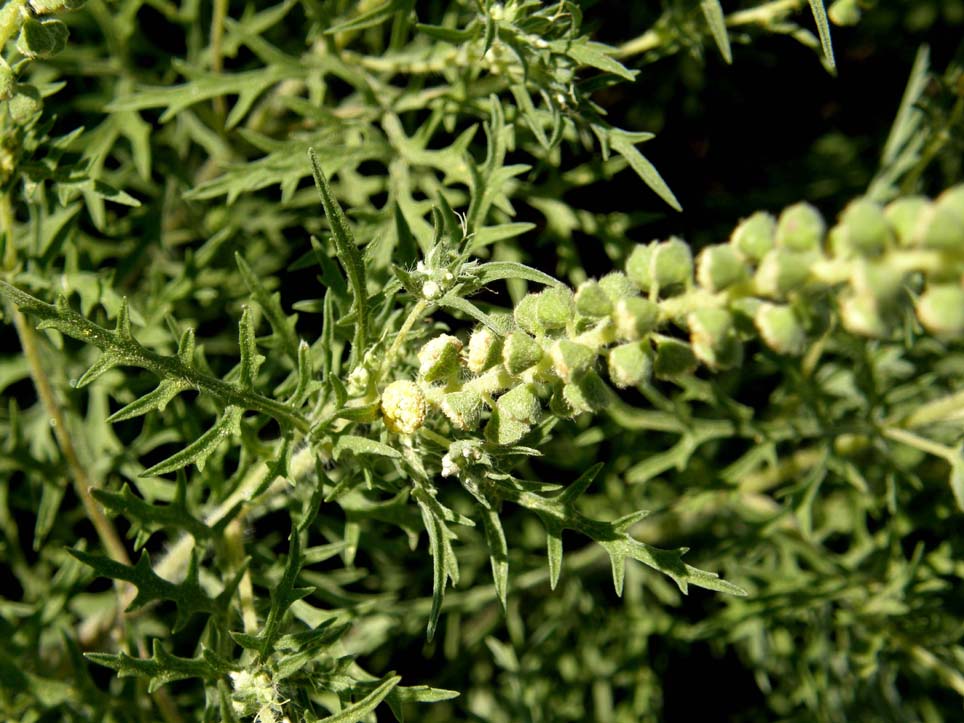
(413, 316)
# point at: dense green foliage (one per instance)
(328, 326)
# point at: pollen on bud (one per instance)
(800, 228)
(719, 267)
(780, 329)
(941, 309)
(403, 407)
(484, 350)
(438, 359)
(630, 364)
(635, 317)
(755, 236)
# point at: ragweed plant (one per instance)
(312, 456)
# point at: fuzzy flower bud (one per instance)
(903, 215)
(780, 329)
(635, 317)
(713, 339)
(438, 359)
(863, 230)
(941, 309)
(463, 409)
(520, 352)
(483, 351)
(616, 286)
(42, 38)
(515, 413)
(588, 394)
(570, 359)
(941, 225)
(800, 228)
(526, 314)
(7, 81)
(638, 266)
(674, 359)
(403, 407)
(754, 236)
(719, 267)
(592, 301)
(861, 314)
(781, 271)
(25, 103)
(630, 364)
(554, 308)
(671, 264)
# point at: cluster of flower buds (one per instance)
(782, 281)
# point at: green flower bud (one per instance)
(862, 314)
(671, 264)
(485, 349)
(463, 409)
(879, 280)
(588, 394)
(515, 413)
(941, 225)
(42, 38)
(51, 7)
(638, 266)
(520, 352)
(617, 286)
(7, 81)
(25, 104)
(403, 407)
(713, 338)
(781, 271)
(719, 267)
(844, 12)
(941, 309)
(438, 359)
(865, 230)
(903, 215)
(635, 317)
(780, 329)
(630, 364)
(953, 200)
(554, 308)
(570, 359)
(800, 228)
(592, 301)
(674, 359)
(526, 314)
(755, 236)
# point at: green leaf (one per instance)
(376, 16)
(595, 55)
(282, 325)
(251, 360)
(498, 553)
(197, 452)
(624, 144)
(713, 12)
(496, 270)
(187, 596)
(157, 399)
(956, 477)
(358, 711)
(823, 30)
(163, 668)
(445, 565)
(363, 447)
(152, 516)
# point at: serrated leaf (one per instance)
(157, 398)
(251, 360)
(187, 596)
(162, 667)
(282, 325)
(357, 711)
(713, 12)
(228, 425)
(362, 447)
(284, 595)
(153, 517)
(444, 563)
